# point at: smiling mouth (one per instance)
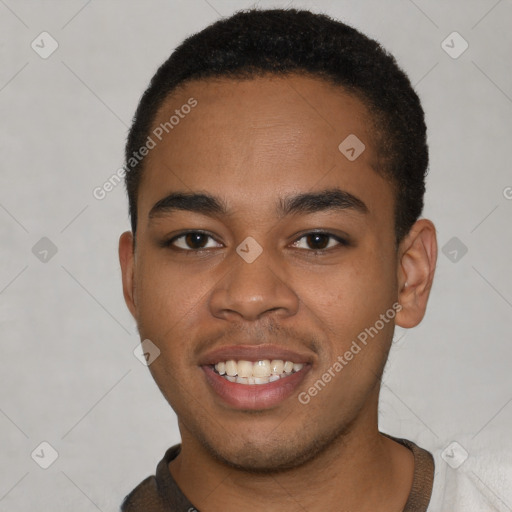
(258, 372)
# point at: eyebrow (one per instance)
(333, 199)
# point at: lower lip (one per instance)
(254, 396)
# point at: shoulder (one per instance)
(472, 476)
(144, 498)
(156, 493)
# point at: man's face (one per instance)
(253, 144)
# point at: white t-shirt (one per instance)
(477, 479)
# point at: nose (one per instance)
(251, 290)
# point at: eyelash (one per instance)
(169, 243)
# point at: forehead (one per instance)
(251, 139)
(287, 110)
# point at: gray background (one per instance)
(69, 375)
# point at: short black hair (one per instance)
(256, 42)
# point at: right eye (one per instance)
(190, 241)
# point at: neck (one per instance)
(361, 470)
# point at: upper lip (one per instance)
(253, 353)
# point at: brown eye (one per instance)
(195, 240)
(191, 241)
(320, 241)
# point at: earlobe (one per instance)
(416, 267)
(127, 261)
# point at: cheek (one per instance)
(351, 294)
(347, 304)
(168, 301)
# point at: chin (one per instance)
(263, 456)
(255, 461)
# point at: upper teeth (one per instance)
(262, 368)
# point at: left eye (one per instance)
(320, 241)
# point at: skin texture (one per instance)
(251, 143)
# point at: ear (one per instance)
(417, 262)
(127, 260)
